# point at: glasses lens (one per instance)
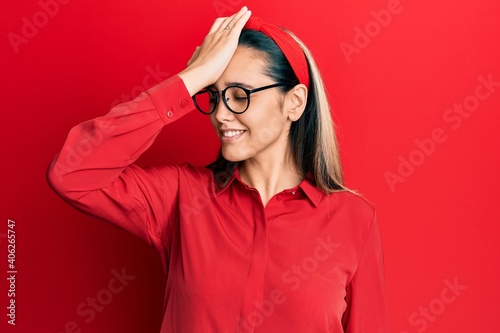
(205, 101)
(237, 99)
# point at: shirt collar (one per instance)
(313, 193)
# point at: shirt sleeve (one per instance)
(94, 171)
(366, 310)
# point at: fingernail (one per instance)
(244, 8)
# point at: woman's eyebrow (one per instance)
(232, 83)
(239, 84)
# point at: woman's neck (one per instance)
(270, 174)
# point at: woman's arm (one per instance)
(366, 293)
(95, 173)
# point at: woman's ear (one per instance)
(297, 100)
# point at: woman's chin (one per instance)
(233, 156)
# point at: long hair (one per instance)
(312, 137)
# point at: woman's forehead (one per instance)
(247, 67)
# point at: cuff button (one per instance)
(183, 103)
(170, 114)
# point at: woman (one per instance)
(266, 238)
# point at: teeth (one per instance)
(232, 133)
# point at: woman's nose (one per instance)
(222, 113)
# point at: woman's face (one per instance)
(262, 131)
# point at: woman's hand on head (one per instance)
(211, 58)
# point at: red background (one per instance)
(438, 223)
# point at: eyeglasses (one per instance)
(236, 98)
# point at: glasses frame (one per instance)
(216, 95)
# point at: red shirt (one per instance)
(306, 262)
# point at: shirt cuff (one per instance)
(171, 99)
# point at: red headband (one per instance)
(291, 49)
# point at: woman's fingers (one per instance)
(209, 60)
(217, 24)
(238, 20)
(226, 23)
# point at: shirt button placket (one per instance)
(255, 280)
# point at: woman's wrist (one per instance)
(193, 80)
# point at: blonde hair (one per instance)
(328, 174)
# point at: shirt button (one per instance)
(278, 197)
(293, 192)
(170, 114)
(184, 103)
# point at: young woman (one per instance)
(266, 238)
